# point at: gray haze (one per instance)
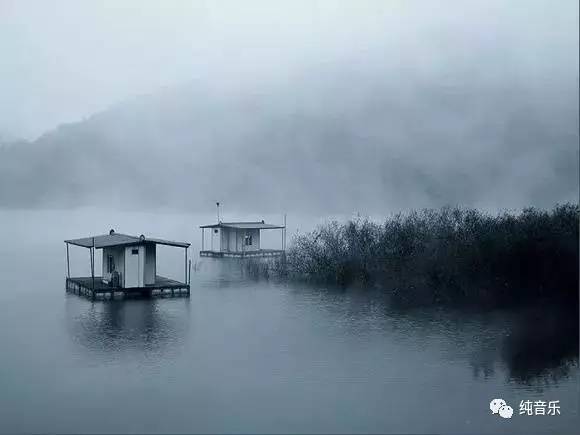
(321, 106)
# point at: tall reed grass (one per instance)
(450, 255)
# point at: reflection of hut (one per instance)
(238, 239)
(129, 266)
(141, 325)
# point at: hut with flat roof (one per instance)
(239, 239)
(129, 266)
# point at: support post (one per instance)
(185, 269)
(202, 237)
(284, 231)
(67, 263)
(93, 265)
(189, 279)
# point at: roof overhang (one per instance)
(117, 239)
(244, 226)
(167, 242)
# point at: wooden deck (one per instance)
(245, 254)
(162, 287)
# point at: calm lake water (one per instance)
(246, 356)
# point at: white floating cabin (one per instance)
(239, 239)
(129, 265)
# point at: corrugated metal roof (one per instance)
(118, 239)
(244, 226)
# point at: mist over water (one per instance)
(246, 355)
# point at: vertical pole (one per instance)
(93, 264)
(189, 279)
(284, 231)
(218, 212)
(67, 263)
(185, 270)
(202, 237)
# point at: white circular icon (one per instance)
(506, 411)
(495, 405)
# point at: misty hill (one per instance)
(338, 142)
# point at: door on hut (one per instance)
(132, 267)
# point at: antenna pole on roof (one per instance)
(218, 211)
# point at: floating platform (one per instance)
(245, 254)
(162, 287)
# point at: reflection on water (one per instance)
(535, 345)
(538, 346)
(257, 343)
(222, 273)
(147, 326)
(542, 347)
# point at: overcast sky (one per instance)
(62, 60)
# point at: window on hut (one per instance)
(248, 240)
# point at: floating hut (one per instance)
(129, 266)
(239, 239)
